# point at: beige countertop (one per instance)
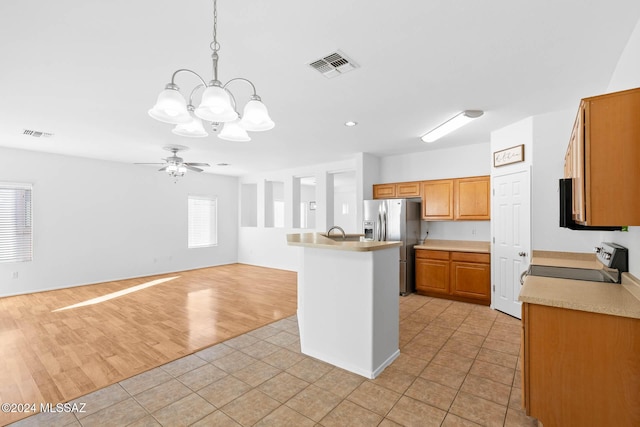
(317, 240)
(605, 298)
(455, 245)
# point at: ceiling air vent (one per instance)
(333, 65)
(36, 133)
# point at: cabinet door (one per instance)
(581, 367)
(612, 159)
(472, 198)
(577, 167)
(384, 191)
(471, 280)
(437, 200)
(408, 189)
(432, 275)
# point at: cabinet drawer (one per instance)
(426, 253)
(471, 257)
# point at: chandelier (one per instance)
(217, 104)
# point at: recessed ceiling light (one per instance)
(350, 123)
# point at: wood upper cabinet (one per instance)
(580, 368)
(604, 154)
(464, 276)
(456, 199)
(398, 190)
(437, 199)
(472, 198)
(408, 189)
(384, 191)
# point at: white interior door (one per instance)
(511, 226)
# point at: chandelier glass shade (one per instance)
(170, 107)
(217, 104)
(233, 131)
(193, 129)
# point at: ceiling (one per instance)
(88, 71)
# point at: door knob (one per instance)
(522, 253)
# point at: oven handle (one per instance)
(524, 273)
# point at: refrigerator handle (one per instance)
(379, 227)
(384, 226)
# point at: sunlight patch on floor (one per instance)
(117, 294)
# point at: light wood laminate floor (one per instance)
(49, 355)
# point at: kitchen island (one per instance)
(348, 301)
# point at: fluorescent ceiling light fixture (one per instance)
(452, 124)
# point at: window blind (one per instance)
(202, 221)
(16, 240)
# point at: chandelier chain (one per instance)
(215, 46)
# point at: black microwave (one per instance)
(566, 210)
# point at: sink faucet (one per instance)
(335, 227)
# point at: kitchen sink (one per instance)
(347, 238)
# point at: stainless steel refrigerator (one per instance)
(395, 220)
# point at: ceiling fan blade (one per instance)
(196, 164)
(191, 168)
(164, 168)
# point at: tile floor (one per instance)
(459, 366)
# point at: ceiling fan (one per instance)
(175, 166)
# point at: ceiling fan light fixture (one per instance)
(452, 124)
(255, 117)
(233, 131)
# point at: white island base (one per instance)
(348, 303)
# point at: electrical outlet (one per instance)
(14, 275)
(473, 231)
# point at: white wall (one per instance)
(267, 246)
(96, 221)
(471, 160)
(550, 137)
(627, 76)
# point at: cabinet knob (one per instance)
(522, 253)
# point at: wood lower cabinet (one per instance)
(471, 275)
(463, 276)
(432, 272)
(580, 368)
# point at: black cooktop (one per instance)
(606, 276)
